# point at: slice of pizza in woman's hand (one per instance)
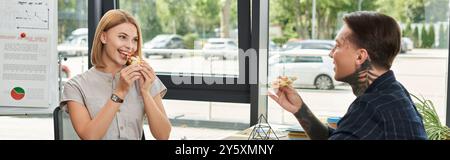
(134, 60)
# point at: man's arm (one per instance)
(315, 129)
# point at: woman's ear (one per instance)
(362, 56)
(103, 37)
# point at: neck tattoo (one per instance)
(361, 78)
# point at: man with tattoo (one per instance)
(365, 50)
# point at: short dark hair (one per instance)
(379, 34)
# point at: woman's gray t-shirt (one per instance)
(93, 89)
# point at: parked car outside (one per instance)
(273, 46)
(406, 45)
(164, 41)
(310, 44)
(76, 44)
(312, 67)
(223, 48)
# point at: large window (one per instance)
(301, 28)
(200, 39)
(185, 36)
(197, 40)
(73, 37)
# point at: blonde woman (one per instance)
(109, 100)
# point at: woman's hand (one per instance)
(149, 77)
(128, 75)
(288, 98)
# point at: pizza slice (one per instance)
(283, 81)
(134, 60)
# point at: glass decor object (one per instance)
(262, 130)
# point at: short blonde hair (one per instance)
(111, 19)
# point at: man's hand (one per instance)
(288, 98)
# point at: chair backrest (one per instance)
(56, 123)
(62, 126)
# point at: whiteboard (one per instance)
(28, 57)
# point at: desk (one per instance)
(281, 131)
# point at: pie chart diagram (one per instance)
(17, 93)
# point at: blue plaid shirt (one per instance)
(385, 111)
